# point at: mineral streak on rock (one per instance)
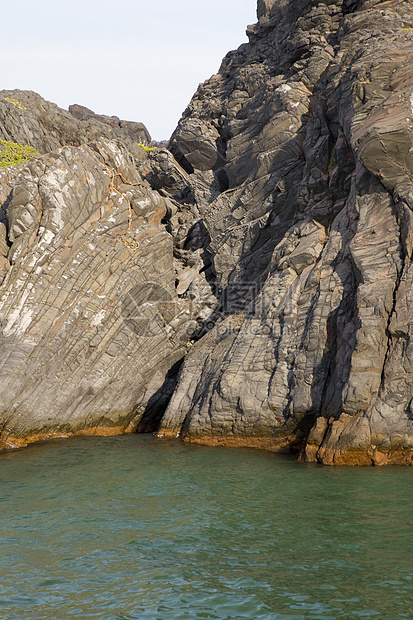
(270, 248)
(309, 131)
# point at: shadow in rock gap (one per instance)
(158, 403)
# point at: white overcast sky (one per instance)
(141, 60)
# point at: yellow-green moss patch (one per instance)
(12, 153)
(15, 102)
(148, 149)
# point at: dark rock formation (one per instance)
(270, 247)
(311, 126)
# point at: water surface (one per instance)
(130, 527)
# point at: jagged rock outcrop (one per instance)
(309, 131)
(93, 320)
(270, 248)
(27, 118)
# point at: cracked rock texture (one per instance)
(308, 132)
(269, 247)
(92, 324)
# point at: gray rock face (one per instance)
(270, 248)
(95, 310)
(311, 127)
(27, 118)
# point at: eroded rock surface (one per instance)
(94, 319)
(310, 126)
(270, 248)
(27, 118)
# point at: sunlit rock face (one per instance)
(92, 325)
(309, 134)
(265, 257)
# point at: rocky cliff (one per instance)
(308, 129)
(91, 323)
(269, 249)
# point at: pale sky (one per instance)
(139, 60)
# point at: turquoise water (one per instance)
(132, 527)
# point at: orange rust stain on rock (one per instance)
(310, 454)
(270, 444)
(357, 457)
(10, 442)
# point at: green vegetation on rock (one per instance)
(15, 102)
(148, 149)
(12, 153)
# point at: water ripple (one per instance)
(127, 528)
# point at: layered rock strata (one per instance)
(92, 318)
(308, 128)
(269, 249)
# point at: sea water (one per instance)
(132, 527)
